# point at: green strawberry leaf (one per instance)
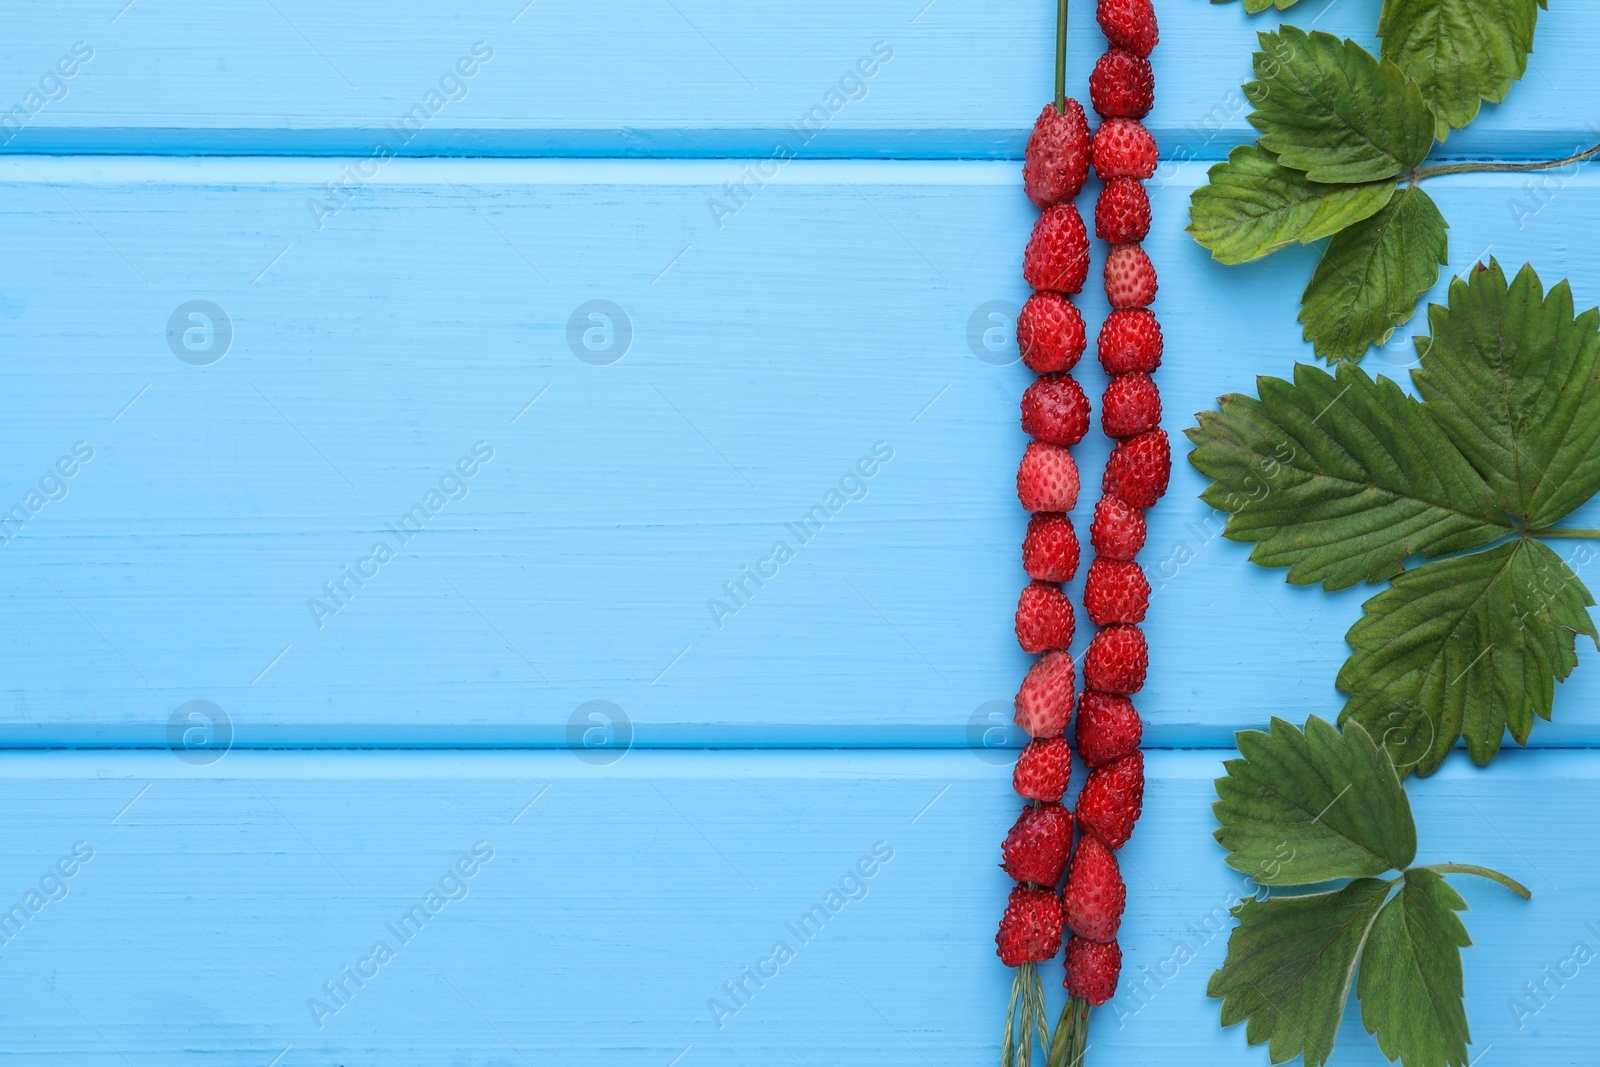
(1289, 967)
(1301, 808)
(1514, 379)
(1327, 107)
(1372, 274)
(1410, 986)
(1339, 478)
(1252, 206)
(1254, 7)
(1459, 51)
(1467, 646)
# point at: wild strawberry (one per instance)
(1050, 549)
(1130, 341)
(1058, 252)
(1055, 411)
(1092, 969)
(1030, 930)
(1044, 769)
(1044, 701)
(1121, 85)
(1116, 592)
(1044, 618)
(1108, 728)
(1095, 895)
(1130, 277)
(1137, 470)
(1122, 212)
(1115, 661)
(1057, 157)
(1111, 799)
(1129, 24)
(1117, 530)
(1047, 478)
(1036, 848)
(1130, 406)
(1050, 333)
(1124, 149)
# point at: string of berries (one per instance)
(1055, 414)
(1116, 593)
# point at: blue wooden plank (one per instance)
(691, 78)
(835, 314)
(620, 900)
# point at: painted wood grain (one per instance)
(686, 78)
(840, 318)
(620, 900)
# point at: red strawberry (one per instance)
(1057, 158)
(1129, 24)
(1130, 340)
(1122, 213)
(1124, 149)
(1130, 406)
(1055, 411)
(1111, 799)
(1044, 769)
(1130, 277)
(1044, 618)
(1036, 848)
(1121, 85)
(1095, 894)
(1047, 478)
(1050, 333)
(1030, 930)
(1117, 531)
(1050, 549)
(1108, 728)
(1092, 969)
(1044, 702)
(1116, 592)
(1137, 470)
(1058, 252)
(1115, 661)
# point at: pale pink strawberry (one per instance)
(1044, 701)
(1130, 277)
(1047, 478)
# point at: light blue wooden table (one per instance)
(621, 377)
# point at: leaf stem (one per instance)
(1061, 57)
(1473, 168)
(1482, 872)
(1553, 532)
(1071, 1038)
